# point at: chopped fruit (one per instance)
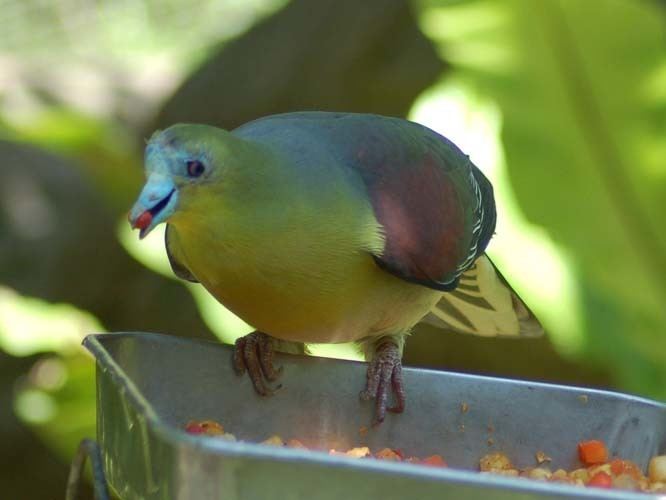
(593, 469)
(560, 476)
(625, 482)
(598, 472)
(618, 467)
(208, 427)
(494, 462)
(600, 480)
(360, 452)
(582, 475)
(657, 468)
(387, 454)
(212, 427)
(540, 473)
(658, 487)
(295, 443)
(274, 441)
(592, 452)
(541, 457)
(434, 460)
(194, 428)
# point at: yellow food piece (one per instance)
(600, 468)
(538, 473)
(560, 476)
(657, 468)
(274, 440)
(493, 462)
(625, 482)
(212, 427)
(580, 475)
(541, 457)
(360, 452)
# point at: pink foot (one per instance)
(254, 353)
(385, 374)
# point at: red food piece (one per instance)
(143, 220)
(600, 480)
(592, 452)
(434, 460)
(194, 428)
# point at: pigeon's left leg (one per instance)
(384, 375)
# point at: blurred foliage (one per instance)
(376, 60)
(561, 102)
(581, 88)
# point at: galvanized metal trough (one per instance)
(150, 385)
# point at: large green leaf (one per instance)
(582, 89)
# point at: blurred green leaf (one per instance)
(581, 89)
(57, 399)
(107, 154)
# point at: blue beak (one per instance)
(156, 203)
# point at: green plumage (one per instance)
(331, 227)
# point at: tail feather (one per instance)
(484, 304)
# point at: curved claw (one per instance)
(385, 374)
(254, 353)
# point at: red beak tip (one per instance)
(143, 220)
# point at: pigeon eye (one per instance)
(195, 168)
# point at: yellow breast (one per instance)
(311, 296)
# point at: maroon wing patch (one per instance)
(424, 223)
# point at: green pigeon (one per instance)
(318, 227)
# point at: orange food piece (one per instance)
(592, 452)
(388, 454)
(209, 427)
(212, 427)
(434, 460)
(295, 443)
(600, 480)
(598, 470)
(619, 466)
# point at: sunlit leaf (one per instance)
(583, 127)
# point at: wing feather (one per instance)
(486, 306)
(177, 267)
